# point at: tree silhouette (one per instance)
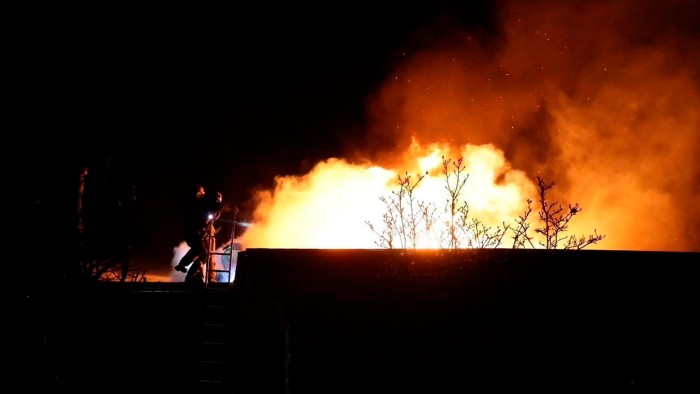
(405, 215)
(555, 220)
(104, 214)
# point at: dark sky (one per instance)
(152, 99)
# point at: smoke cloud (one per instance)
(599, 97)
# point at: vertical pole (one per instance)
(233, 244)
(204, 263)
(210, 274)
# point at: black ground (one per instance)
(300, 321)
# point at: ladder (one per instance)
(221, 246)
(214, 356)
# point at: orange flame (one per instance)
(600, 98)
(329, 207)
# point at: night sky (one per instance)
(152, 99)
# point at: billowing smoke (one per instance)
(599, 97)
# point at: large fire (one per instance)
(600, 98)
(330, 206)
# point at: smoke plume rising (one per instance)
(599, 97)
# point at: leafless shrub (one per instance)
(406, 218)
